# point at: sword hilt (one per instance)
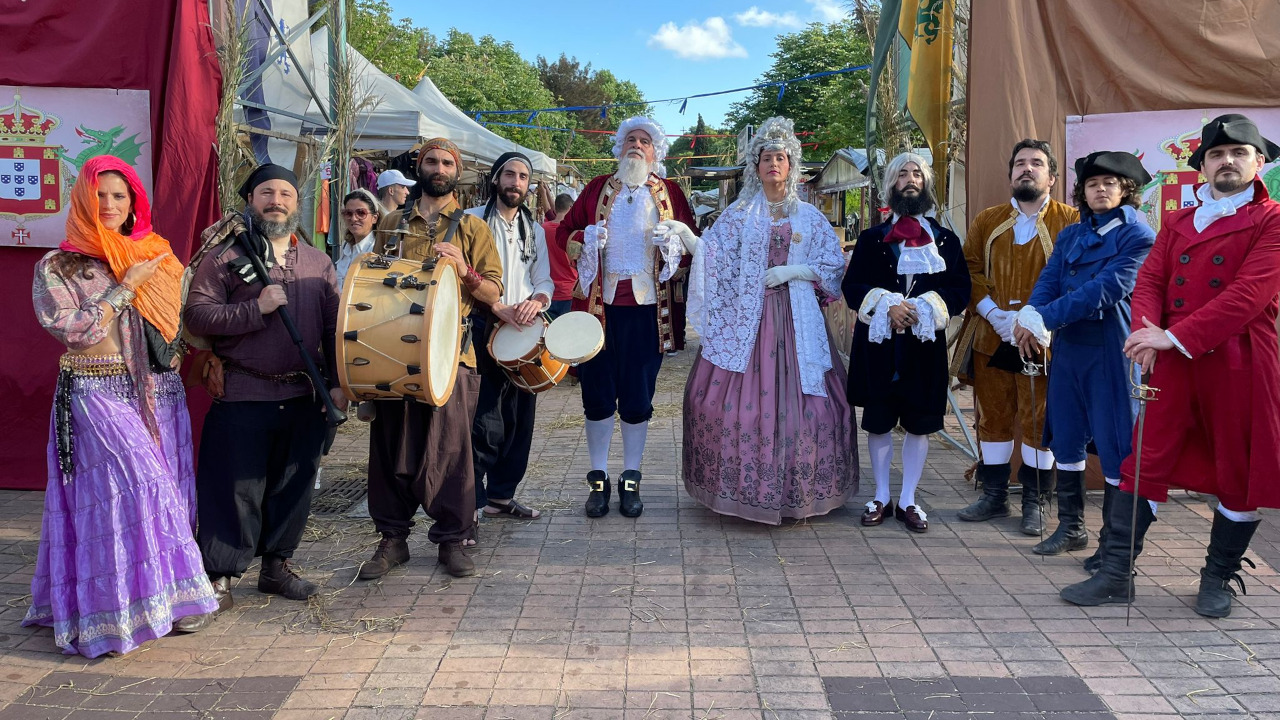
(1031, 368)
(1139, 390)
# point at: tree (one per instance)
(833, 108)
(397, 48)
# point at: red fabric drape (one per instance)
(164, 46)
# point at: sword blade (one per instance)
(1133, 520)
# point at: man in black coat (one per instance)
(907, 278)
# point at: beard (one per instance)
(272, 229)
(511, 197)
(632, 170)
(906, 205)
(1027, 191)
(438, 184)
(1231, 184)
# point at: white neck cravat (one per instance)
(1211, 210)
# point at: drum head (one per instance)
(575, 337)
(512, 342)
(443, 325)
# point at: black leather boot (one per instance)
(598, 500)
(629, 503)
(1228, 542)
(1070, 534)
(1113, 582)
(994, 502)
(277, 577)
(1094, 561)
(1037, 488)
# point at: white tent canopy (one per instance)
(399, 118)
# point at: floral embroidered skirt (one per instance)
(118, 563)
(758, 448)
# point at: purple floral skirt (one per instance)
(118, 563)
(758, 448)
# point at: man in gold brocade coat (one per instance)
(1007, 247)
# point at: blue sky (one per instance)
(667, 47)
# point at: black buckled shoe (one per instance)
(278, 577)
(391, 552)
(598, 500)
(629, 503)
(994, 502)
(1228, 541)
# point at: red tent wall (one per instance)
(164, 46)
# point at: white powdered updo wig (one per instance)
(926, 171)
(656, 135)
(776, 133)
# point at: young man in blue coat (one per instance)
(1082, 298)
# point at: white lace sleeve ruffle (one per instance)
(926, 328)
(672, 251)
(880, 329)
(1029, 318)
(589, 261)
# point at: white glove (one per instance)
(782, 274)
(1030, 319)
(595, 236)
(1002, 322)
(667, 229)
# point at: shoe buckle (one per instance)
(629, 485)
(596, 485)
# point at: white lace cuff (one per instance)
(925, 328)
(589, 260)
(869, 304)
(880, 330)
(672, 251)
(923, 260)
(1029, 319)
(941, 316)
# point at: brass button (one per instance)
(1179, 280)
(1215, 283)
(1177, 302)
(1184, 258)
(1217, 259)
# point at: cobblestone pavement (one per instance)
(678, 614)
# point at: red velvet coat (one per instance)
(1215, 425)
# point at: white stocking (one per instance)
(915, 448)
(599, 436)
(633, 437)
(881, 447)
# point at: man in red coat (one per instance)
(1204, 326)
(625, 281)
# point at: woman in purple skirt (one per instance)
(118, 565)
(767, 429)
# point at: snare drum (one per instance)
(575, 337)
(399, 329)
(521, 352)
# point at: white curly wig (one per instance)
(776, 133)
(656, 135)
(926, 170)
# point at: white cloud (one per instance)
(828, 11)
(755, 17)
(706, 41)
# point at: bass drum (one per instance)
(399, 329)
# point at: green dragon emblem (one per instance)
(929, 21)
(1272, 181)
(104, 142)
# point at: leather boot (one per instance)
(629, 503)
(1113, 582)
(598, 500)
(196, 623)
(1037, 488)
(455, 561)
(994, 502)
(1228, 542)
(1094, 561)
(277, 577)
(391, 552)
(1070, 534)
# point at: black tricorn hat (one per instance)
(1108, 162)
(1232, 129)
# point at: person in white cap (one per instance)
(393, 188)
(625, 281)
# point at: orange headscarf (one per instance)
(159, 300)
